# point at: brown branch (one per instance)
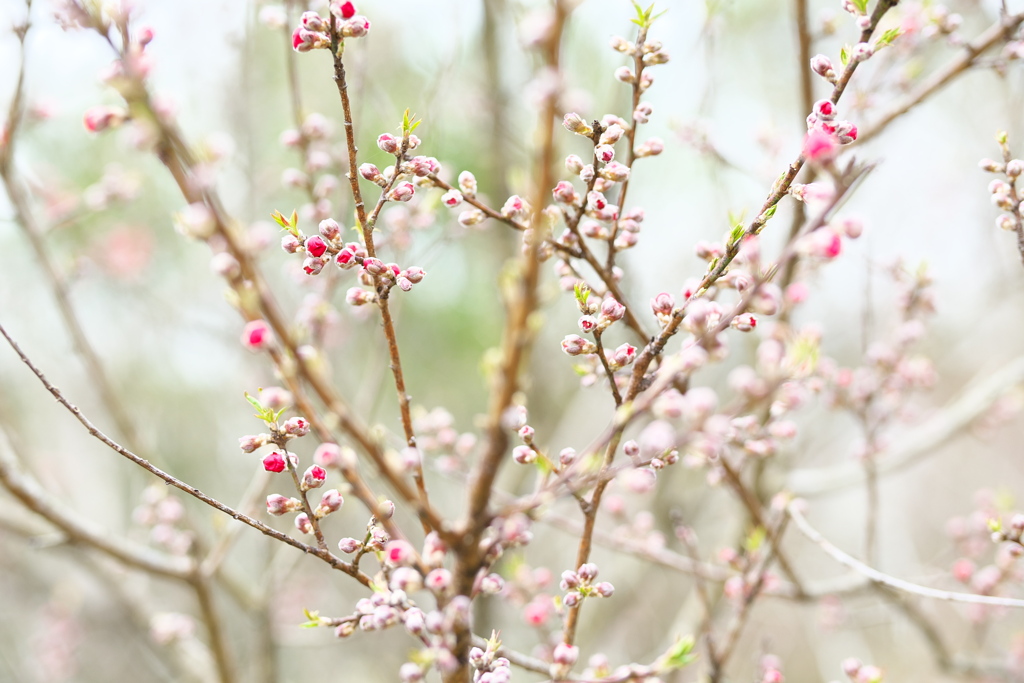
(324, 555)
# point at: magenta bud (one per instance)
(565, 193)
(327, 454)
(296, 426)
(612, 310)
(398, 553)
(256, 335)
(565, 654)
(451, 198)
(402, 192)
(438, 580)
(274, 462)
(313, 477)
(588, 324)
(371, 172)
(316, 246)
(313, 265)
(526, 433)
(414, 274)
(604, 153)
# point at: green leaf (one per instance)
(844, 55)
(755, 539)
(995, 525)
(291, 225)
(582, 292)
(887, 37)
(861, 5)
(679, 655)
(312, 619)
(737, 233)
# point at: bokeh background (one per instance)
(168, 340)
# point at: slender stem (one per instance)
(892, 582)
(214, 627)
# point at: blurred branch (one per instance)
(25, 219)
(923, 441)
(971, 51)
(878, 577)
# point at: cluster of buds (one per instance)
(582, 584)
(1013, 533)
(163, 515)
(1004, 193)
(487, 666)
(313, 31)
(649, 53)
(597, 316)
(824, 133)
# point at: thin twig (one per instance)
(878, 577)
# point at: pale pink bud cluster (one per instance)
(821, 122)
(582, 584)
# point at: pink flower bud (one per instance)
(257, 335)
(398, 553)
(574, 345)
(663, 305)
(313, 265)
(565, 655)
(612, 134)
(356, 27)
(251, 442)
(313, 477)
(604, 153)
(371, 172)
(514, 206)
(612, 310)
(357, 296)
(824, 110)
(303, 524)
(822, 65)
(819, 146)
(492, 584)
(274, 462)
(388, 143)
(98, 119)
(573, 164)
(414, 274)
(330, 501)
(467, 183)
(524, 455)
(403, 192)
(846, 132)
(438, 580)
(296, 426)
(451, 198)
(615, 172)
(588, 324)
(290, 243)
(642, 113)
(471, 217)
(565, 193)
(574, 123)
(278, 505)
(349, 545)
(650, 148)
(861, 52)
(316, 246)
(744, 322)
(604, 589)
(311, 21)
(622, 356)
(344, 10)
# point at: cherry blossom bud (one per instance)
(574, 345)
(565, 193)
(290, 243)
(651, 147)
(1014, 167)
(257, 335)
(304, 40)
(612, 134)
(845, 132)
(471, 217)
(612, 310)
(315, 246)
(825, 110)
(526, 433)
(251, 442)
(467, 183)
(620, 44)
(296, 426)
(303, 524)
(388, 143)
(574, 164)
(991, 166)
(565, 655)
(604, 589)
(492, 584)
(349, 545)
(356, 27)
(822, 65)
(329, 230)
(524, 455)
(403, 192)
(451, 198)
(371, 172)
(438, 580)
(398, 553)
(385, 509)
(574, 123)
(274, 462)
(99, 119)
(744, 322)
(861, 52)
(570, 600)
(625, 74)
(313, 477)
(312, 21)
(615, 172)
(604, 153)
(513, 207)
(278, 505)
(819, 146)
(642, 113)
(663, 305)
(622, 356)
(653, 58)
(313, 265)
(343, 10)
(330, 501)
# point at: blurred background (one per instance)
(728, 107)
